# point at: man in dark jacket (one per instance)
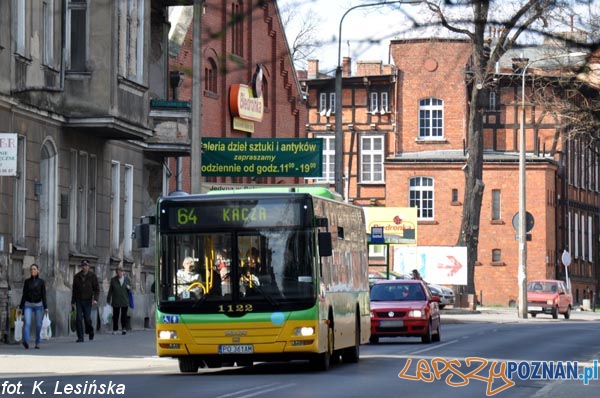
(85, 295)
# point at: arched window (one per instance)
(420, 193)
(210, 76)
(431, 118)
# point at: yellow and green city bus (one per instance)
(277, 274)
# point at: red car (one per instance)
(549, 296)
(404, 308)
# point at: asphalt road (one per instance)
(128, 365)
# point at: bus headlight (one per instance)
(304, 331)
(167, 335)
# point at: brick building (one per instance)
(423, 144)
(231, 53)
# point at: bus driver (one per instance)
(185, 278)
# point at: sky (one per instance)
(366, 31)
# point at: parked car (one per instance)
(445, 294)
(548, 296)
(404, 308)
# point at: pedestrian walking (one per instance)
(118, 298)
(85, 295)
(33, 302)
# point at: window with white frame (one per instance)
(328, 159)
(128, 211)
(20, 28)
(77, 35)
(48, 32)
(493, 100)
(576, 236)
(574, 163)
(371, 158)
(115, 201)
(583, 236)
(131, 39)
(590, 241)
(327, 103)
(378, 102)
(431, 118)
(570, 231)
(420, 195)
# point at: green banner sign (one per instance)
(262, 157)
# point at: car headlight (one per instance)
(304, 331)
(550, 302)
(415, 314)
(167, 334)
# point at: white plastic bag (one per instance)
(19, 328)
(46, 332)
(107, 312)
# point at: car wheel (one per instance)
(373, 339)
(533, 314)
(555, 312)
(568, 313)
(438, 335)
(426, 338)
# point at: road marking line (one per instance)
(262, 390)
(433, 347)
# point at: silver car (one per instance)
(446, 295)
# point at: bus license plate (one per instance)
(391, 324)
(236, 349)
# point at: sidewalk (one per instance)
(507, 315)
(107, 353)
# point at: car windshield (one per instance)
(542, 287)
(397, 292)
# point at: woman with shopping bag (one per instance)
(33, 302)
(118, 297)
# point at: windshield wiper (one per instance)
(265, 295)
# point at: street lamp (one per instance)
(339, 137)
(522, 273)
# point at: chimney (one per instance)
(346, 67)
(313, 68)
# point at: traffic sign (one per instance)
(529, 221)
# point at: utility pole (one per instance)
(196, 133)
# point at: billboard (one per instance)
(443, 265)
(262, 157)
(399, 224)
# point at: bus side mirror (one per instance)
(142, 235)
(325, 245)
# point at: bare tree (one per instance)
(301, 30)
(526, 17)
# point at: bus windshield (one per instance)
(211, 272)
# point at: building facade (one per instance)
(425, 157)
(240, 40)
(78, 93)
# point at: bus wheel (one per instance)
(322, 361)
(188, 365)
(352, 354)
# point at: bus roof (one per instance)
(311, 190)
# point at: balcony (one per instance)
(172, 124)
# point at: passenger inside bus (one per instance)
(248, 281)
(188, 281)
